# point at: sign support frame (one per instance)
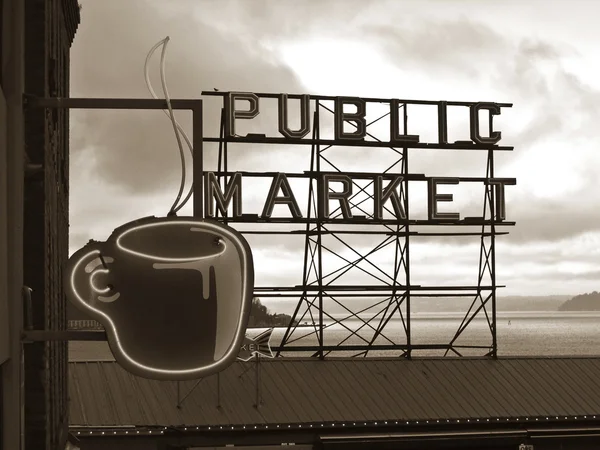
(402, 291)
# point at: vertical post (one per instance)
(225, 165)
(493, 250)
(218, 390)
(219, 159)
(198, 163)
(222, 180)
(27, 308)
(317, 126)
(407, 239)
(12, 67)
(257, 380)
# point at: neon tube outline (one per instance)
(239, 333)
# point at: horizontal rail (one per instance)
(262, 139)
(108, 103)
(379, 347)
(373, 288)
(382, 232)
(366, 99)
(307, 174)
(361, 220)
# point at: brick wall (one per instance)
(49, 30)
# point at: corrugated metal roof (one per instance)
(296, 391)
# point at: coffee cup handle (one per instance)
(88, 276)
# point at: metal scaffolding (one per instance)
(389, 293)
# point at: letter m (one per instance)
(214, 195)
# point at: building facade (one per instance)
(36, 40)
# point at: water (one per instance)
(537, 333)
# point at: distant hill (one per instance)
(531, 302)
(583, 302)
(260, 316)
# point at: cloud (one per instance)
(459, 46)
(553, 220)
(557, 107)
(125, 165)
(135, 149)
(540, 50)
(267, 20)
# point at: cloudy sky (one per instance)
(539, 55)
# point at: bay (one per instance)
(539, 333)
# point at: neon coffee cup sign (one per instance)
(174, 294)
